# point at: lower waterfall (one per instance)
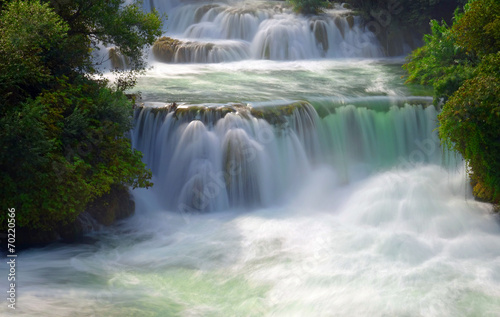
(215, 157)
(288, 181)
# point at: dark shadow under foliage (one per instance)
(396, 21)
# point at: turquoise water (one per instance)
(257, 80)
(401, 239)
(345, 205)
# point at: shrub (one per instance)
(309, 6)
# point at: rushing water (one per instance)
(311, 187)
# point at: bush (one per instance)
(478, 30)
(440, 63)
(63, 138)
(463, 65)
(32, 40)
(309, 6)
(470, 124)
(64, 149)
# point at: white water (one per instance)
(264, 30)
(350, 209)
(206, 161)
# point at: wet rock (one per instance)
(118, 60)
(164, 49)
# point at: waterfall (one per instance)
(289, 180)
(218, 32)
(117, 59)
(168, 50)
(215, 157)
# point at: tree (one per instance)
(470, 124)
(110, 22)
(440, 63)
(32, 39)
(309, 6)
(478, 30)
(64, 131)
(462, 62)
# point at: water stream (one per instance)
(294, 178)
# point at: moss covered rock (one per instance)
(117, 59)
(277, 115)
(319, 27)
(164, 49)
(350, 21)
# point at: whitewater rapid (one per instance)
(289, 181)
(406, 243)
(396, 233)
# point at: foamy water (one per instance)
(344, 206)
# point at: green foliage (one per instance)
(440, 63)
(309, 6)
(463, 65)
(109, 22)
(32, 39)
(479, 29)
(64, 139)
(470, 124)
(64, 149)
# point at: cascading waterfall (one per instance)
(295, 175)
(208, 158)
(265, 32)
(235, 159)
(207, 52)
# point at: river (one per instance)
(293, 178)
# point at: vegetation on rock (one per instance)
(309, 6)
(117, 59)
(462, 62)
(164, 49)
(64, 139)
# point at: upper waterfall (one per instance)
(223, 32)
